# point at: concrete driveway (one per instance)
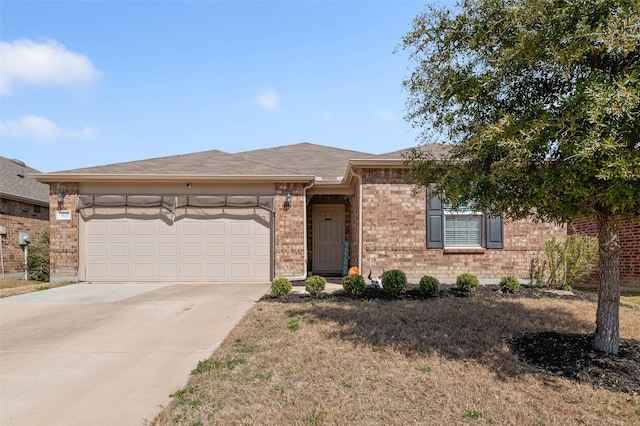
(109, 354)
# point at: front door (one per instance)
(328, 238)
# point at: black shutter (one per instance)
(495, 232)
(435, 222)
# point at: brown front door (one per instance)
(328, 238)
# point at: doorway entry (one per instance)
(328, 238)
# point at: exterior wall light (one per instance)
(61, 196)
(287, 201)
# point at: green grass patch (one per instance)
(215, 364)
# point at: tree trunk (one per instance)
(607, 336)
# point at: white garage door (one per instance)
(199, 249)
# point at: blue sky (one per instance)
(99, 82)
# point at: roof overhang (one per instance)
(383, 163)
(79, 177)
(24, 199)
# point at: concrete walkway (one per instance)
(109, 354)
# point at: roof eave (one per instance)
(371, 163)
(93, 177)
(27, 200)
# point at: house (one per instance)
(629, 237)
(24, 210)
(286, 211)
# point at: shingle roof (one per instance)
(327, 164)
(15, 184)
(206, 163)
(436, 149)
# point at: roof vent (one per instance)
(21, 174)
(18, 162)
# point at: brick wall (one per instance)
(17, 217)
(64, 233)
(354, 219)
(394, 236)
(289, 255)
(629, 235)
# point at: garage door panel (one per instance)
(240, 249)
(240, 270)
(144, 249)
(97, 249)
(192, 270)
(191, 249)
(167, 249)
(168, 270)
(143, 270)
(215, 271)
(192, 228)
(118, 228)
(119, 270)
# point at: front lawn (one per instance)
(440, 361)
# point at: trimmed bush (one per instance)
(394, 282)
(467, 282)
(38, 257)
(429, 285)
(353, 285)
(280, 287)
(315, 284)
(509, 284)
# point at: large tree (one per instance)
(540, 102)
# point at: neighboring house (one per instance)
(629, 236)
(24, 209)
(285, 211)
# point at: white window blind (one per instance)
(462, 228)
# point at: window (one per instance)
(462, 227)
(36, 209)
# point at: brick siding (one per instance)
(17, 217)
(629, 235)
(289, 255)
(394, 236)
(64, 233)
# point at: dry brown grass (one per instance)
(441, 361)
(13, 287)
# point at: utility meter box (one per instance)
(23, 238)
(3, 230)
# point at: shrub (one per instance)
(38, 257)
(509, 284)
(467, 282)
(315, 284)
(394, 282)
(280, 287)
(571, 260)
(353, 285)
(429, 285)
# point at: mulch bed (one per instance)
(563, 354)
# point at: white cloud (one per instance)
(385, 116)
(32, 126)
(42, 64)
(268, 99)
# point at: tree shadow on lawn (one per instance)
(498, 333)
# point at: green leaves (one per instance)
(540, 100)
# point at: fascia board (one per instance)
(24, 199)
(371, 163)
(72, 177)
